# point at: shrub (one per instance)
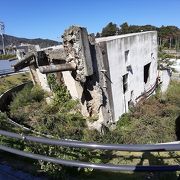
(7, 56)
(173, 93)
(150, 122)
(61, 94)
(19, 107)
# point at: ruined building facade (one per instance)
(108, 75)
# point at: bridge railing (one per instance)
(80, 144)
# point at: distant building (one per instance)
(10, 49)
(25, 48)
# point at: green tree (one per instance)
(124, 28)
(169, 35)
(98, 35)
(110, 30)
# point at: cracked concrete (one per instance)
(99, 65)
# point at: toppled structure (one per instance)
(108, 75)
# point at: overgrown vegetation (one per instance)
(152, 121)
(20, 108)
(61, 119)
(156, 116)
(9, 81)
(6, 56)
(164, 56)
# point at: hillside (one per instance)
(17, 41)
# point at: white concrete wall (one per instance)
(43, 81)
(142, 50)
(70, 84)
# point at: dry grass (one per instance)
(12, 80)
(153, 121)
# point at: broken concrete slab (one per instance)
(107, 75)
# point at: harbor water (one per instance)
(5, 64)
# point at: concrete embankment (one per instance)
(7, 96)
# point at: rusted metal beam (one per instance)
(57, 68)
(24, 62)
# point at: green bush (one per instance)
(28, 95)
(151, 121)
(61, 94)
(7, 56)
(173, 93)
(61, 119)
(20, 106)
(3, 124)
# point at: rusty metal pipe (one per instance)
(57, 68)
(24, 62)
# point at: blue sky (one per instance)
(49, 18)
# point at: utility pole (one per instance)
(2, 28)
(170, 40)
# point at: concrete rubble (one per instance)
(88, 68)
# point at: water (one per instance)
(5, 64)
(8, 173)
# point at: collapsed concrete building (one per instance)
(108, 75)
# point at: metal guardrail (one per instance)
(106, 167)
(80, 144)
